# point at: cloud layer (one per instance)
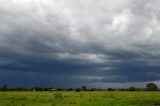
(70, 43)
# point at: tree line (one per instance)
(149, 87)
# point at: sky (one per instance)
(69, 43)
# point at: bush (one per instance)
(58, 95)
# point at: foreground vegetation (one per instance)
(72, 98)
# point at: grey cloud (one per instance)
(106, 41)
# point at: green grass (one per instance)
(102, 98)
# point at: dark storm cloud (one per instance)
(70, 43)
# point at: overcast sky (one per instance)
(69, 43)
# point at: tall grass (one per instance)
(101, 98)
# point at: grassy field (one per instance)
(102, 98)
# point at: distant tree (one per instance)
(78, 89)
(131, 89)
(60, 89)
(70, 89)
(93, 89)
(99, 89)
(46, 89)
(38, 89)
(110, 89)
(151, 86)
(122, 89)
(19, 89)
(84, 88)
